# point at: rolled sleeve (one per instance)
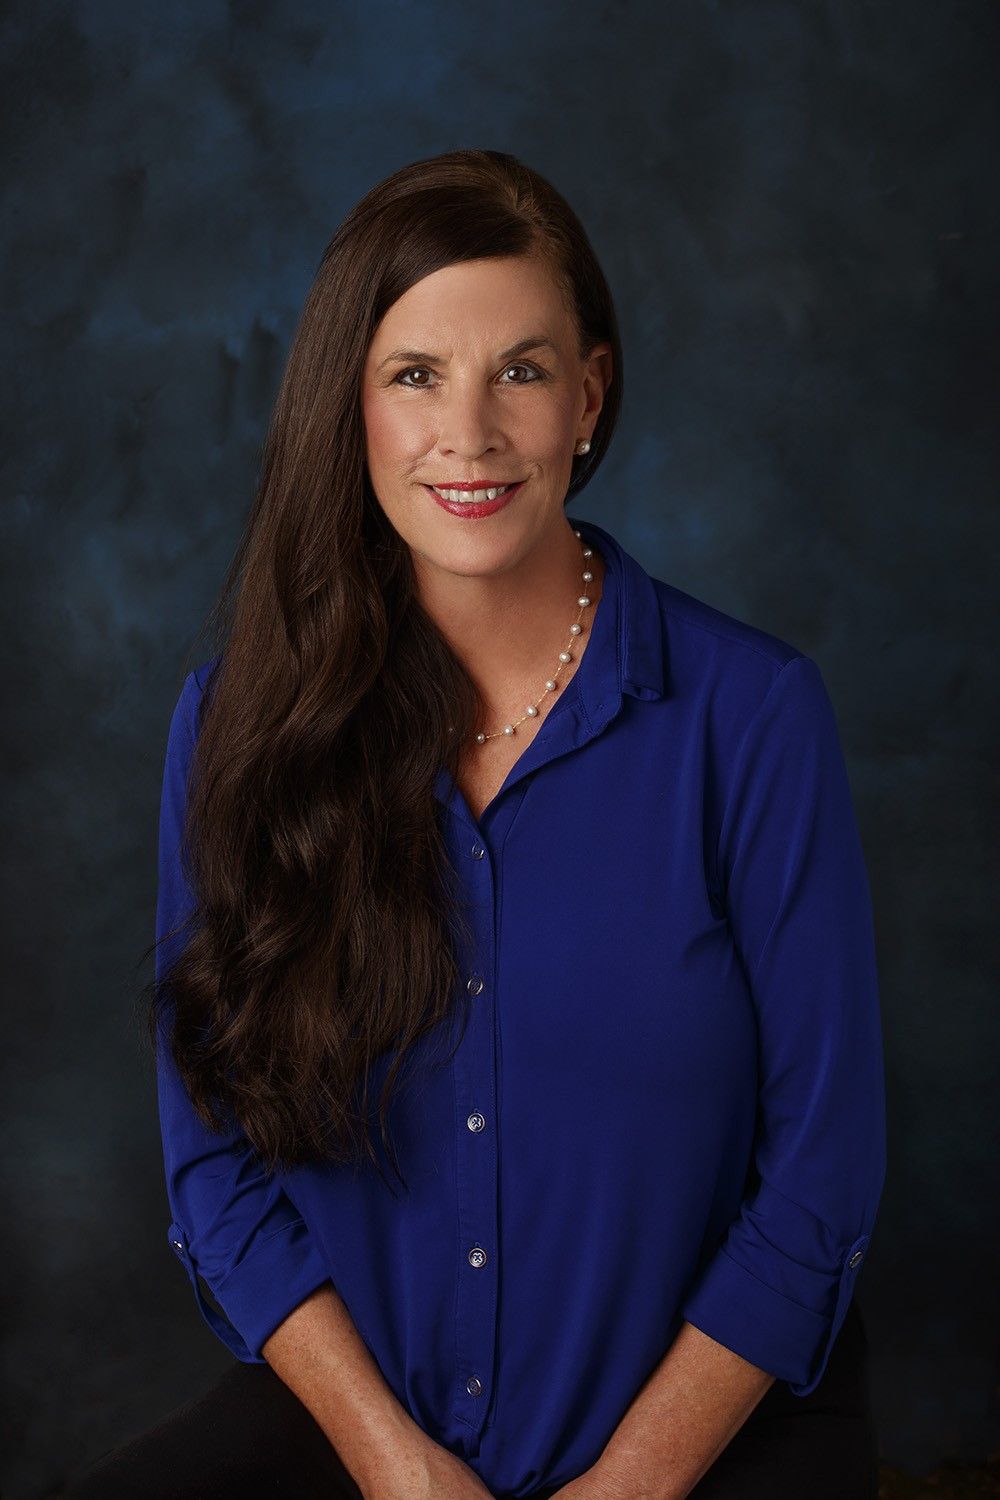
(232, 1227)
(791, 866)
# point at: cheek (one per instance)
(549, 425)
(392, 433)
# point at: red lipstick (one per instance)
(474, 510)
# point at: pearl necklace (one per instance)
(531, 712)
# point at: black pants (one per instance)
(249, 1435)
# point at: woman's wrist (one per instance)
(618, 1473)
(395, 1449)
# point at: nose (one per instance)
(468, 421)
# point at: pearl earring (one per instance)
(583, 447)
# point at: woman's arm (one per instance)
(689, 1409)
(320, 1355)
(231, 1227)
(777, 1286)
(770, 1298)
(240, 1233)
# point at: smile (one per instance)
(474, 502)
(469, 497)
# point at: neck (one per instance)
(507, 629)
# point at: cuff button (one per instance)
(858, 1255)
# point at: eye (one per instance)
(534, 374)
(420, 369)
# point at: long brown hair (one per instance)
(325, 904)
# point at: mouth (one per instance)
(474, 502)
(472, 493)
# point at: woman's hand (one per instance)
(426, 1471)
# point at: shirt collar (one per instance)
(625, 655)
(631, 658)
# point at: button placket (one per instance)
(477, 1165)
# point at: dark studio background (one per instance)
(795, 206)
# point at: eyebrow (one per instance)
(419, 356)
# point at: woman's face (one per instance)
(453, 393)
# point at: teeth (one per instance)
(469, 497)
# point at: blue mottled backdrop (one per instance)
(794, 206)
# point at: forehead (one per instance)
(477, 301)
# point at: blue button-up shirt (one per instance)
(669, 1099)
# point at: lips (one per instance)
(473, 508)
(480, 491)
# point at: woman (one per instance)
(473, 819)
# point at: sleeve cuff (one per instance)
(260, 1291)
(779, 1335)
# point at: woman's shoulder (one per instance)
(711, 659)
(201, 676)
(185, 716)
(722, 662)
(197, 683)
(701, 629)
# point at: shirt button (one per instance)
(476, 1122)
(474, 1386)
(475, 984)
(854, 1259)
(477, 1256)
(477, 851)
(177, 1244)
